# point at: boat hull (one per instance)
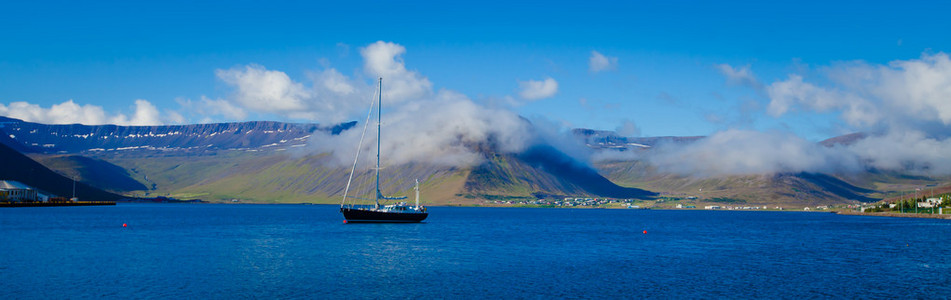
(358, 215)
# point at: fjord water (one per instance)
(305, 251)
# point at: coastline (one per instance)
(54, 204)
(896, 215)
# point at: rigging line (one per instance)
(360, 145)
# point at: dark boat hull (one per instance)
(357, 215)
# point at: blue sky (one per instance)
(667, 78)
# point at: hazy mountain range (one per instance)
(273, 162)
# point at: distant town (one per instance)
(929, 205)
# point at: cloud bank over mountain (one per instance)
(421, 125)
(904, 106)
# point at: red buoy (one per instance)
(345, 221)
(124, 224)
(645, 231)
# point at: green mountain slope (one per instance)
(96, 172)
(801, 189)
(282, 177)
(267, 177)
(544, 171)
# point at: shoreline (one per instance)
(841, 212)
(896, 215)
(56, 204)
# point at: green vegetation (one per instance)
(726, 200)
(269, 177)
(909, 205)
(496, 197)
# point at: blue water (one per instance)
(304, 251)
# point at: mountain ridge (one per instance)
(243, 161)
(175, 161)
(77, 138)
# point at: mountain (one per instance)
(19, 167)
(266, 162)
(796, 189)
(602, 139)
(76, 138)
(250, 161)
(103, 174)
(844, 140)
(783, 189)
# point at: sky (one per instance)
(805, 69)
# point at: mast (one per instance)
(379, 121)
(417, 194)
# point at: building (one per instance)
(930, 202)
(13, 191)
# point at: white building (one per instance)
(930, 202)
(14, 191)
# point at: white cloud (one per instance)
(332, 96)
(739, 76)
(334, 82)
(747, 152)
(384, 59)
(868, 94)
(339, 98)
(208, 110)
(921, 87)
(69, 112)
(538, 89)
(598, 62)
(265, 90)
(446, 129)
(904, 106)
(905, 150)
(420, 125)
(793, 92)
(145, 114)
(175, 117)
(628, 129)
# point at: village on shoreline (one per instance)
(930, 207)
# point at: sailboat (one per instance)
(378, 212)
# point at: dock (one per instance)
(51, 204)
